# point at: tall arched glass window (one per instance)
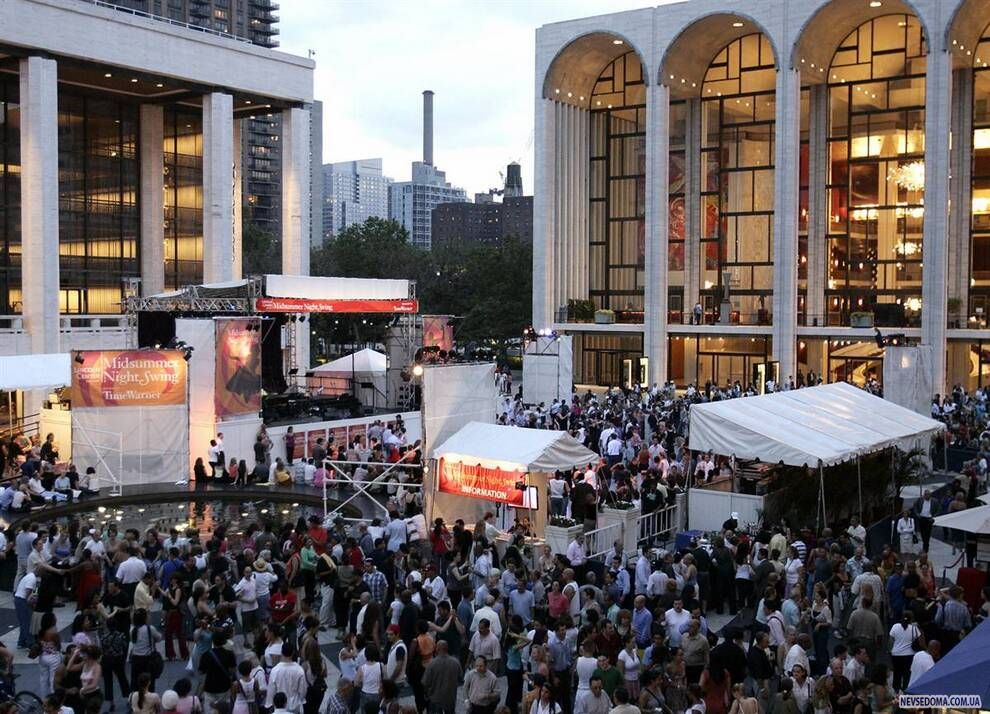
(737, 179)
(979, 278)
(876, 180)
(617, 215)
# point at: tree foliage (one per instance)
(261, 251)
(488, 285)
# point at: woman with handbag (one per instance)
(144, 654)
(905, 639)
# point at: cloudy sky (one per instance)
(375, 57)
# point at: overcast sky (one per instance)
(375, 57)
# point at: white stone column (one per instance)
(787, 164)
(657, 219)
(295, 210)
(218, 189)
(692, 207)
(238, 201)
(39, 205)
(152, 199)
(565, 220)
(935, 249)
(961, 192)
(817, 204)
(544, 197)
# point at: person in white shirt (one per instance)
(247, 596)
(924, 660)
(395, 534)
(487, 612)
(643, 568)
(575, 551)
(130, 572)
(674, 618)
(396, 661)
(23, 606)
(288, 678)
(705, 467)
(856, 531)
(482, 565)
(798, 654)
(435, 585)
(585, 666)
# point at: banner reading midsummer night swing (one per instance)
(477, 481)
(134, 378)
(238, 367)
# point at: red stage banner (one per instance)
(237, 382)
(270, 304)
(138, 378)
(477, 481)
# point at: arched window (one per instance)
(876, 177)
(737, 178)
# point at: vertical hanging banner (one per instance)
(438, 332)
(238, 367)
(136, 378)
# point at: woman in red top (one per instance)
(557, 602)
(440, 543)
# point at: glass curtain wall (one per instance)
(98, 202)
(677, 211)
(737, 179)
(617, 217)
(183, 197)
(876, 182)
(979, 278)
(10, 198)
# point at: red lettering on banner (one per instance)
(272, 304)
(477, 481)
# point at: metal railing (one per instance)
(601, 540)
(168, 20)
(657, 527)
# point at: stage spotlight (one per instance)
(187, 356)
(79, 358)
(302, 318)
(293, 318)
(417, 370)
(294, 371)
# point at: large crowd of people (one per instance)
(443, 618)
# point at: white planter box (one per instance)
(628, 521)
(559, 538)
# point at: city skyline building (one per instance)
(783, 164)
(353, 192)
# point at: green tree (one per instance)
(261, 251)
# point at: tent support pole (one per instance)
(859, 480)
(821, 498)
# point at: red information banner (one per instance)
(137, 378)
(476, 481)
(237, 384)
(271, 304)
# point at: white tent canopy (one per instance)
(823, 425)
(513, 448)
(44, 371)
(366, 360)
(972, 520)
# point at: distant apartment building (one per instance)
(483, 221)
(353, 192)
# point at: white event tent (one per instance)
(41, 371)
(538, 452)
(812, 427)
(364, 366)
(823, 425)
(972, 520)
